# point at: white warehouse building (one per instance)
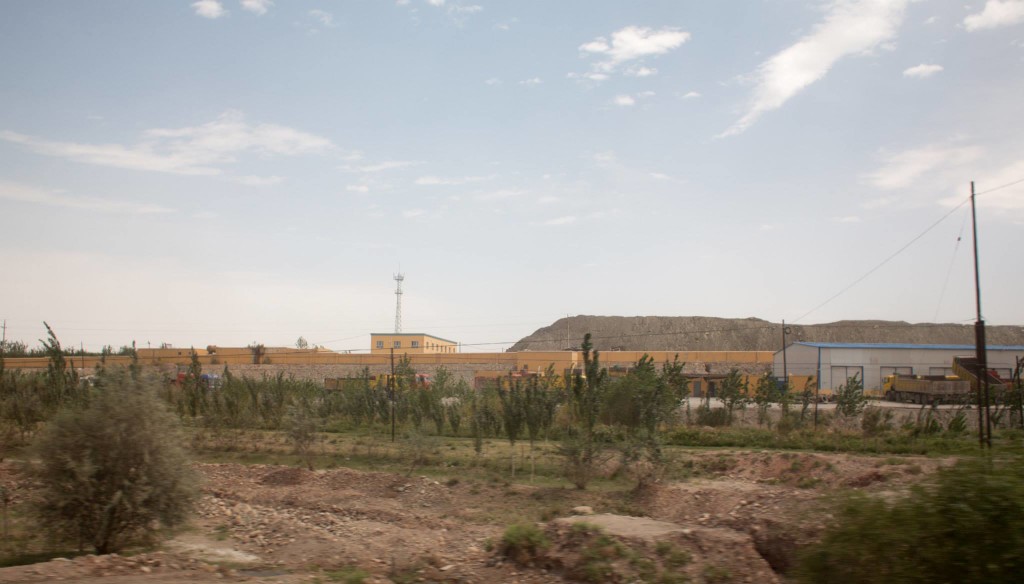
(833, 363)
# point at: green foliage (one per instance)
(348, 575)
(302, 431)
(766, 393)
(111, 470)
(582, 445)
(523, 543)
(850, 398)
(967, 526)
(733, 392)
(875, 421)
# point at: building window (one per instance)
(415, 344)
(841, 375)
(380, 344)
(398, 344)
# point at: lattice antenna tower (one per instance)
(399, 277)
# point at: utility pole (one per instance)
(391, 391)
(980, 348)
(785, 367)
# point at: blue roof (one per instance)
(907, 346)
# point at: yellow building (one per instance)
(411, 343)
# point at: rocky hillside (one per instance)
(697, 333)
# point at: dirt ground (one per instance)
(738, 519)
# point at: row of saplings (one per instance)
(112, 474)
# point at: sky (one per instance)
(229, 172)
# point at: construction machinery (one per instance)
(932, 389)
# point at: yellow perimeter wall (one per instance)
(524, 361)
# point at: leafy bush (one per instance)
(850, 398)
(110, 470)
(966, 526)
(714, 418)
(523, 542)
(875, 421)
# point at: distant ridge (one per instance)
(705, 333)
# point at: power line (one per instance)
(903, 248)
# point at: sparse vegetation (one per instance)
(523, 543)
(111, 469)
(966, 526)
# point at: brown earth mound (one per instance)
(702, 333)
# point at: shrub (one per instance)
(111, 471)
(850, 398)
(714, 418)
(876, 421)
(523, 542)
(966, 526)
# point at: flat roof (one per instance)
(907, 346)
(412, 335)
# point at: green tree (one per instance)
(111, 471)
(850, 398)
(765, 394)
(582, 446)
(61, 381)
(734, 393)
(513, 412)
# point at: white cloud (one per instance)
(381, 166)
(1006, 178)
(357, 189)
(410, 213)
(997, 13)
(323, 17)
(851, 27)
(641, 71)
(691, 95)
(449, 181)
(259, 7)
(660, 176)
(591, 76)
(847, 219)
(548, 200)
(493, 81)
(436, 2)
(902, 169)
(532, 81)
(632, 43)
(561, 220)
(932, 20)
(259, 181)
(624, 100)
(500, 194)
(26, 194)
(921, 71)
(644, 94)
(196, 150)
(209, 8)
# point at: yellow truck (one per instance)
(926, 389)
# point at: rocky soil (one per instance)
(701, 333)
(738, 519)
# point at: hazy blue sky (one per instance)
(237, 171)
